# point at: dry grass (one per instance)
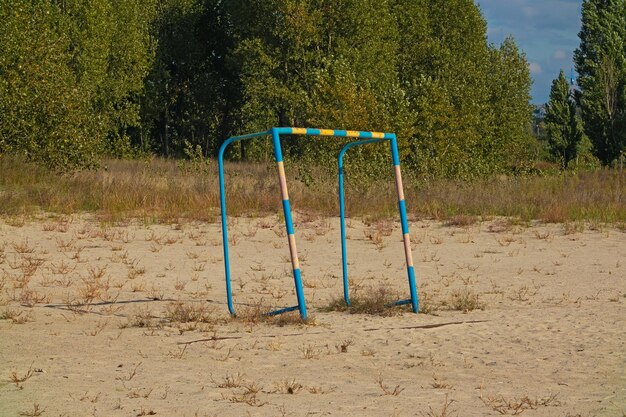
(158, 190)
(287, 386)
(515, 406)
(464, 300)
(181, 312)
(395, 391)
(35, 412)
(16, 316)
(19, 380)
(462, 220)
(257, 313)
(377, 301)
(445, 409)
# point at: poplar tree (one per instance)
(601, 65)
(564, 130)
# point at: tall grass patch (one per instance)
(164, 190)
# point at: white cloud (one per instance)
(559, 54)
(535, 68)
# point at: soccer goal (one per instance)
(365, 138)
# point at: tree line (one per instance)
(83, 78)
(592, 119)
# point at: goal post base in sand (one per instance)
(367, 138)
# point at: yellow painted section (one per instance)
(295, 263)
(298, 131)
(407, 249)
(352, 134)
(378, 135)
(399, 187)
(327, 132)
(282, 178)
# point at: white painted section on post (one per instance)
(407, 249)
(399, 187)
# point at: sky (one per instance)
(546, 30)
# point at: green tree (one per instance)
(508, 121)
(70, 76)
(186, 93)
(601, 65)
(45, 115)
(470, 99)
(110, 53)
(564, 129)
(315, 62)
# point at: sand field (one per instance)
(131, 320)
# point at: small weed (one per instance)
(97, 329)
(135, 271)
(515, 406)
(30, 298)
(435, 240)
(343, 346)
(310, 352)
(570, 228)
(178, 354)
(131, 374)
(19, 380)
(500, 225)
(141, 318)
(464, 300)
(23, 247)
(523, 293)
(385, 388)
(287, 387)
(61, 268)
(445, 412)
(248, 396)
(462, 220)
(543, 234)
(440, 383)
(180, 312)
(35, 412)
(231, 381)
(376, 237)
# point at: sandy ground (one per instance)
(130, 320)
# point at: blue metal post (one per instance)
(278, 154)
(342, 217)
(342, 214)
(405, 224)
(220, 163)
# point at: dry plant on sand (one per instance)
(444, 412)
(386, 389)
(19, 380)
(35, 412)
(464, 300)
(257, 313)
(516, 406)
(181, 312)
(378, 301)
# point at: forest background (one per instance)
(85, 79)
